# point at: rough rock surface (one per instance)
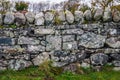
(69, 17)
(39, 19)
(30, 17)
(9, 18)
(88, 15)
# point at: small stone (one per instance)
(79, 16)
(39, 19)
(32, 48)
(41, 58)
(73, 31)
(116, 16)
(113, 42)
(1, 20)
(107, 14)
(30, 17)
(44, 31)
(49, 16)
(30, 41)
(99, 59)
(68, 38)
(115, 56)
(116, 63)
(88, 15)
(98, 14)
(9, 18)
(7, 41)
(85, 65)
(69, 17)
(116, 68)
(53, 42)
(70, 45)
(61, 15)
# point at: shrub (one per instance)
(20, 6)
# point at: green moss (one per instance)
(13, 26)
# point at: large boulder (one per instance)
(69, 17)
(30, 17)
(99, 59)
(39, 19)
(91, 40)
(20, 19)
(98, 14)
(79, 16)
(113, 42)
(107, 14)
(88, 15)
(116, 16)
(9, 18)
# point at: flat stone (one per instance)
(70, 45)
(115, 56)
(44, 31)
(6, 41)
(116, 63)
(53, 42)
(30, 41)
(38, 48)
(73, 31)
(68, 38)
(91, 40)
(9, 18)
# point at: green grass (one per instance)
(33, 73)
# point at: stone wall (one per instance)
(29, 39)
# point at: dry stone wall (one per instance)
(29, 39)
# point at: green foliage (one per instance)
(13, 26)
(20, 6)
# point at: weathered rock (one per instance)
(91, 40)
(73, 31)
(1, 20)
(113, 32)
(30, 17)
(18, 64)
(44, 31)
(59, 53)
(20, 19)
(81, 55)
(99, 59)
(113, 42)
(9, 18)
(88, 15)
(98, 14)
(53, 42)
(32, 48)
(116, 63)
(69, 17)
(79, 16)
(85, 65)
(116, 16)
(70, 45)
(30, 41)
(68, 38)
(115, 56)
(116, 68)
(6, 41)
(107, 14)
(39, 19)
(49, 16)
(41, 58)
(61, 15)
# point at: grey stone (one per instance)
(116, 63)
(85, 65)
(107, 14)
(81, 55)
(73, 31)
(9, 18)
(61, 15)
(88, 15)
(70, 45)
(115, 56)
(59, 53)
(38, 48)
(116, 68)
(20, 19)
(7, 41)
(79, 16)
(30, 17)
(49, 16)
(69, 17)
(98, 14)
(113, 42)
(1, 20)
(2, 68)
(30, 41)
(39, 19)
(53, 42)
(41, 31)
(41, 58)
(113, 32)
(68, 38)
(91, 40)
(116, 16)
(18, 64)
(99, 59)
